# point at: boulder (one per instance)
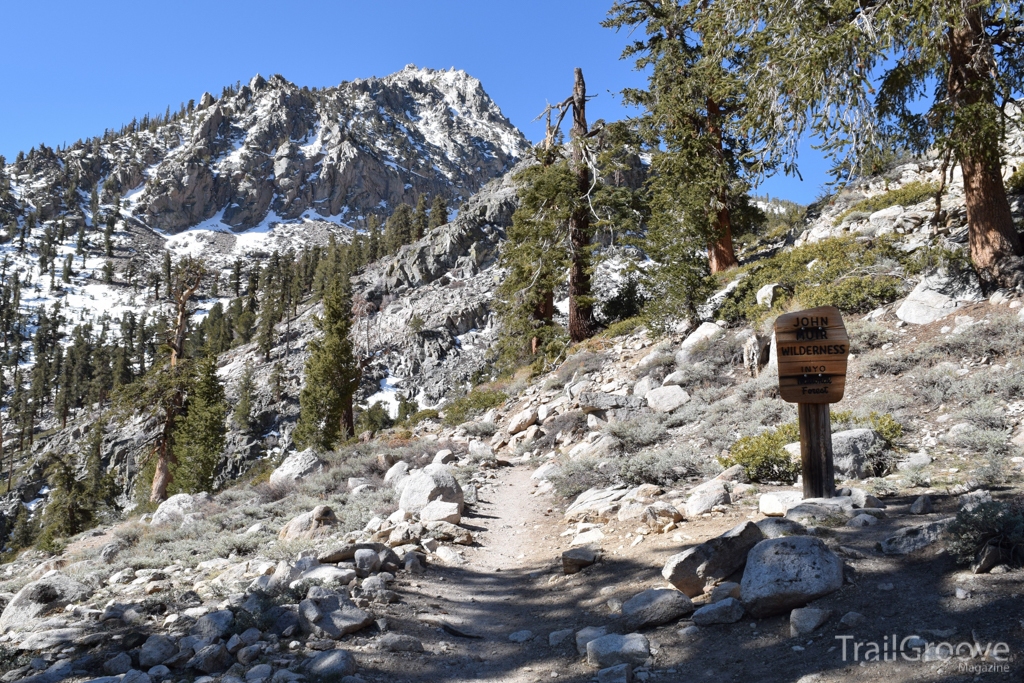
(776, 503)
(614, 649)
(521, 420)
(398, 642)
(546, 471)
(575, 559)
(367, 562)
(592, 502)
(156, 650)
(726, 611)
(329, 614)
(433, 482)
(766, 295)
(937, 296)
(707, 333)
(783, 573)
(297, 467)
(778, 527)
(922, 506)
(667, 398)
(440, 511)
(914, 538)
(178, 508)
(211, 659)
(399, 470)
(852, 451)
(213, 625)
(644, 385)
(706, 496)
(316, 523)
(326, 575)
(620, 673)
(585, 635)
(117, 665)
(693, 569)
(655, 607)
(331, 666)
(49, 594)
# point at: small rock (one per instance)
(728, 589)
(211, 659)
(521, 636)
(667, 398)
(614, 649)
(851, 619)
(367, 562)
(922, 506)
(655, 607)
(862, 520)
(575, 559)
(727, 611)
(776, 504)
(397, 642)
(118, 665)
(440, 511)
(621, 673)
(331, 665)
(804, 620)
(556, 638)
(911, 539)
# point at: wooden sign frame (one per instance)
(813, 347)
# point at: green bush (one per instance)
(420, 416)
(578, 475)
(664, 466)
(763, 457)
(473, 403)
(908, 195)
(373, 419)
(855, 276)
(994, 523)
(1015, 183)
(622, 327)
(641, 431)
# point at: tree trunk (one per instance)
(164, 456)
(993, 237)
(348, 422)
(721, 255)
(581, 311)
(543, 313)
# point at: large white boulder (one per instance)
(666, 399)
(433, 482)
(297, 467)
(938, 296)
(783, 573)
(179, 508)
(706, 333)
(48, 594)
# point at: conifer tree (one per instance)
(438, 212)
(398, 229)
(199, 436)
(373, 245)
(419, 219)
(332, 374)
(242, 414)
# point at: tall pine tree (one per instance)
(332, 374)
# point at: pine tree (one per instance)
(438, 212)
(332, 374)
(398, 229)
(919, 75)
(419, 218)
(242, 414)
(199, 436)
(71, 508)
(373, 246)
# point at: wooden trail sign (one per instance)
(813, 348)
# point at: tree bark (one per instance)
(581, 311)
(543, 313)
(348, 422)
(721, 255)
(992, 235)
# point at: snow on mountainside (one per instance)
(268, 166)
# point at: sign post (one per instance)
(813, 347)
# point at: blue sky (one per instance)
(73, 69)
